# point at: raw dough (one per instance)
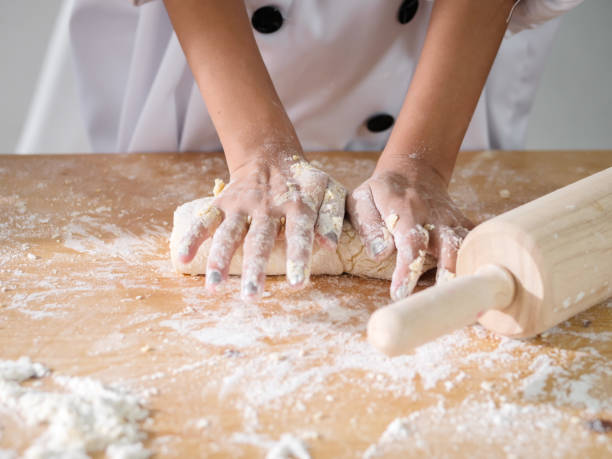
(349, 257)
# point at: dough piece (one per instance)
(350, 255)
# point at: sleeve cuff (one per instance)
(528, 14)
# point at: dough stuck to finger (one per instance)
(218, 187)
(391, 220)
(349, 257)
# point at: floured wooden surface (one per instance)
(88, 290)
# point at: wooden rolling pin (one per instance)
(518, 274)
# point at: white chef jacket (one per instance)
(341, 69)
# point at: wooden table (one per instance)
(98, 297)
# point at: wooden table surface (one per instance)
(98, 297)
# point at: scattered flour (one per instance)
(327, 341)
(485, 429)
(320, 336)
(288, 447)
(320, 339)
(85, 417)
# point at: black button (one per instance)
(267, 19)
(407, 10)
(380, 122)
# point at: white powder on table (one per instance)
(288, 447)
(86, 417)
(489, 428)
(323, 336)
(320, 336)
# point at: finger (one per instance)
(310, 184)
(299, 232)
(366, 219)
(447, 242)
(202, 227)
(331, 215)
(411, 246)
(258, 244)
(309, 177)
(226, 240)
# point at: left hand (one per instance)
(264, 196)
(408, 208)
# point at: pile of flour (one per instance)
(85, 417)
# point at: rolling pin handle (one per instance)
(424, 316)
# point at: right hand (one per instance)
(263, 194)
(405, 206)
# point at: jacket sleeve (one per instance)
(528, 14)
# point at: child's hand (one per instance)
(408, 188)
(264, 195)
(408, 208)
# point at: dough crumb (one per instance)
(218, 188)
(417, 265)
(391, 221)
(504, 193)
(429, 226)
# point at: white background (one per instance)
(573, 107)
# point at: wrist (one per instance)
(266, 135)
(271, 152)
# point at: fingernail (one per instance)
(296, 277)
(332, 237)
(183, 250)
(250, 289)
(214, 277)
(296, 273)
(377, 246)
(400, 293)
(405, 289)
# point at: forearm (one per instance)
(461, 44)
(227, 66)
